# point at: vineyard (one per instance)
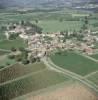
(19, 80)
(19, 70)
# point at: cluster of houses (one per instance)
(45, 43)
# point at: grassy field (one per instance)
(75, 63)
(3, 52)
(49, 21)
(56, 25)
(19, 70)
(8, 44)
(4, 61)
(31, 82)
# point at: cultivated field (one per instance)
(19, 70)
(73, 91)
(56, 25)
(75, 63)
(5, 61)
(49, 21)
(17, 81)
(8, 44)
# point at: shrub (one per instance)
(18, 58)
(25, 61)
(2, 66)
(7, 63)
(11, 56)
(13, 49)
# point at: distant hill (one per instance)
(78, 4)
(21, 3)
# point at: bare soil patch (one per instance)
(71, 92)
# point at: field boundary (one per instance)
(88, 57)
(5, 50)
(50, 64)
(22, 77)
(91, 74)
(8, 66)
(50, 88)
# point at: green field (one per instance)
(56, 25)
(4, 62)
(94, 78)
(3, 52)
(8, 44)
(49, 21)
(31, 82)
(75, 63)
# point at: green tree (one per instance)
(25, 61)
(85, 23)
(11, 56)
(32, 59)
(13, 49)
(36, 21)
(18, 58)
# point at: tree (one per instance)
(7, 63)
(74, 33)
(85, 23)
(22, 22)
(11, 56)
(84, 27)
(21, 49)
(25, 61)
(24, 54)
(12, 36)
(13, 49)
(38, 59)
(62, 32)
(18, 58)
(86, 20)
(66, 34)
(32, 59)
(2, 66)
(3, 28)
(36, 21)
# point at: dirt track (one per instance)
(72, 92)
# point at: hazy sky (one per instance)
(8, 3)
(5, 3)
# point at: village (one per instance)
(41, 44)
(48, 51)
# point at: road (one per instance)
(52, 66)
